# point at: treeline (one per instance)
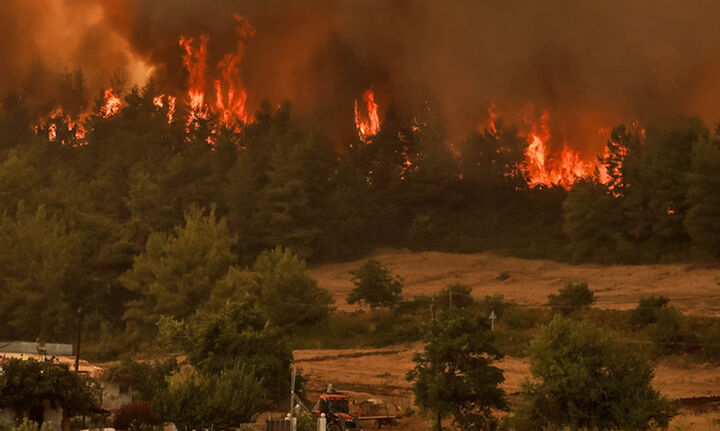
(143, 218)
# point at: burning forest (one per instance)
(169, 168)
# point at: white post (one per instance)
(322, 423)
(492, 320)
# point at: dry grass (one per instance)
(691, 289)
(380, 373)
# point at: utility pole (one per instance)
(432, 312)
(77, 343)
(493, 317)
(451, 289)
(292, 392)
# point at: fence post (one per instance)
(293, 424)
(322, 423)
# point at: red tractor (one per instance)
(336, 408)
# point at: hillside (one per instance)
(692, 289)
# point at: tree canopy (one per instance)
(454, 374)
(584, 379)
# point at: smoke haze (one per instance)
(591, 64)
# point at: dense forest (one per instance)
(140, 218)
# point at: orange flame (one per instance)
(63, 128)
(112, 104)
(543, 167)
(368, 126)
(230, 95)
(159, 103)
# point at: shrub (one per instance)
(646, 313)
(134, 416)
(670, 334)
(29, 425)
(503, 276)
(572, 297)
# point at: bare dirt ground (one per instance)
(692, 289)
(380, 373)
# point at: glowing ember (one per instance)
(112, 104)
(369, 124)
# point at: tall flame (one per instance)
(230, 95)
(112, 104)
(561, 168)
(367, 125)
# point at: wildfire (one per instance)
(161, 101)
(112, 104)
(230, 96)
(562, 168)
(369, 124)
(60, 127)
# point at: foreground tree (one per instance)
(221, 401)
(176, 274)
(375, 285)
(281, 287)
(26, 384)
(40, 286)
(583, 379)
(454, 375)
(236, 335)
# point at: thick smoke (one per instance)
(592, 64)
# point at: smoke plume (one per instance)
(590, 64)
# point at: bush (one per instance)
(646, 313)
(572, 297)
(670, 335)
(29, 425)
(134, 416)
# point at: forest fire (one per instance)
(112, 104)
(230, 94)
(367, 123)
(561, 168)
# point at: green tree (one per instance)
(375, 285)
(592, 219)
(145, 379)
(647, 310)
(39, 268)
(26, 384)
(291, 207)
(219, 401)
(703, 218)
(455, 375)
(283, 290)
(177, 272)
(236, 335)
(572, 297)
(583, 379)
(19, 181)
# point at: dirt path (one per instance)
(692, 289)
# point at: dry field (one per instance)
(380, 373)
(692, 289)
